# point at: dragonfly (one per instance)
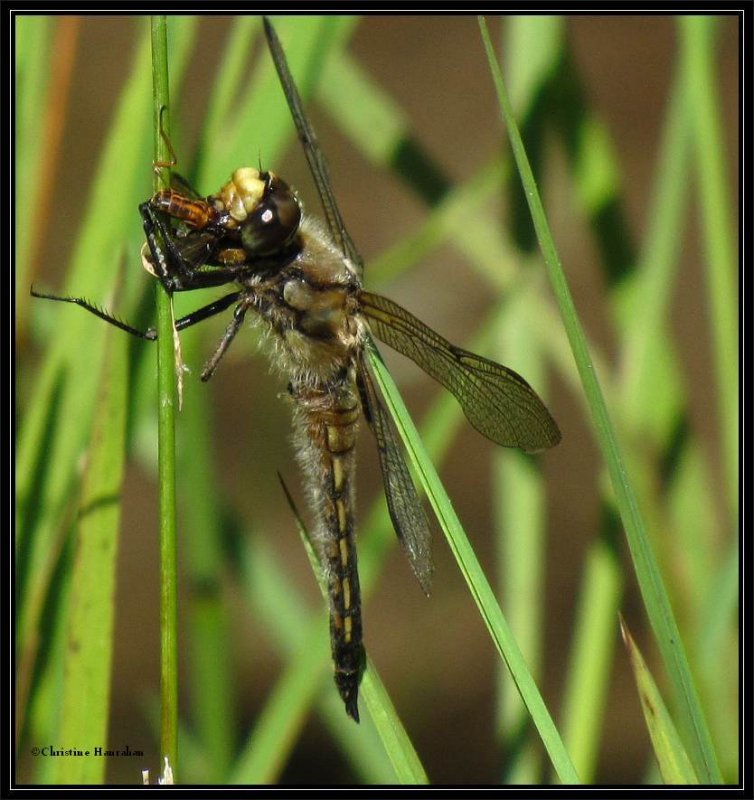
(303, 279)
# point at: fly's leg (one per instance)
(158, 165)
(176, 181)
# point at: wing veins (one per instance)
(497, 401)
(312, 150)
(406, 511)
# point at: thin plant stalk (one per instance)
(166, 425)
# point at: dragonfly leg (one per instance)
(230, 333)
(199, 315)
(150, 334)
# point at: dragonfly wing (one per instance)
(314, 155)
(497, 401)
(403, 503)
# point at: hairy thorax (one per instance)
(312, 309)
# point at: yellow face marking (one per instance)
(242, 193)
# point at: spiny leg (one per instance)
(230, 333)
(199, 315)
(150, 334)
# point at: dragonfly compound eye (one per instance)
(275, 220)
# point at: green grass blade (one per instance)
(653, 396)
(519, 493)
(85, 705)
(671, 756)
(650, 580)
(591, 657)
(33, 53)
(280, 722)
(651, 393)
(272, 597)
(533, 46)
(230, 76)
(284, 715)
(260, 115)
(398, 747)
(519, 500)
(212, 688)
(718, 658)
(375, 122)
(45, 701)
(718, 229)
(56, 427)
(474, 576)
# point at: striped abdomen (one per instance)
(195, 212)
(326, 424)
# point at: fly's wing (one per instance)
(314, 155)
(182, 186)
(497, 401)
(197, 248)
(403, 503)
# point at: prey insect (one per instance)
(304, 280)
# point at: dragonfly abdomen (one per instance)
(326, 422)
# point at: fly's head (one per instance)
(263, 209)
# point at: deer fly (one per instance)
(303, 279)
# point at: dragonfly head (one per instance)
(263, 208)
